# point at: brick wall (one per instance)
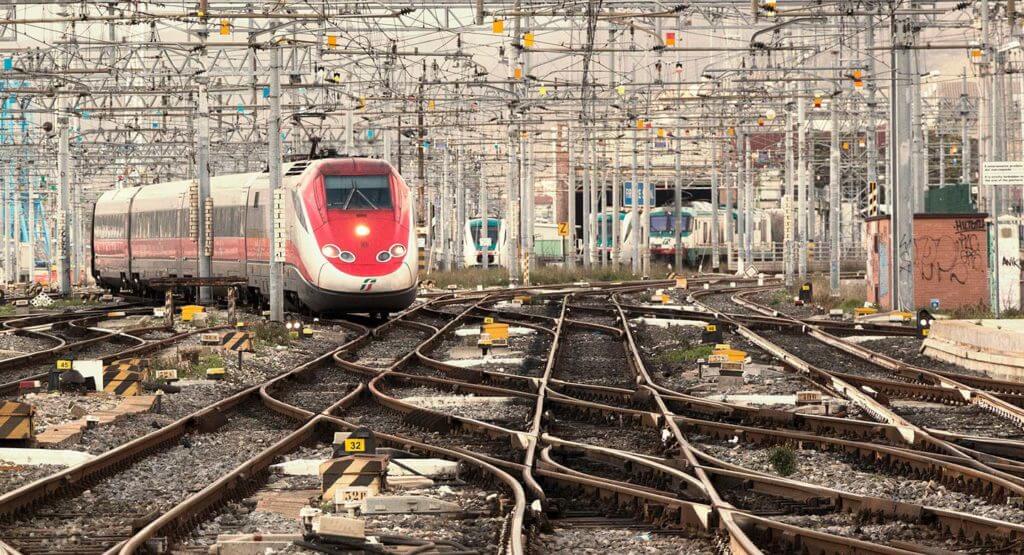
(950, 260)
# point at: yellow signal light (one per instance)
(225, 27)
(528, 40)
(498, 26)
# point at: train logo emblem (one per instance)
(367, 284)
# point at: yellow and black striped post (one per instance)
(122, 382)
(872, 198)
(365, 471)
(16, 420)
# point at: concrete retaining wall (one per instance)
(995, 347)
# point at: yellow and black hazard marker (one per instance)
(121, 382)
(139, 365)
(363, 471)
(240, 341)
(16, 420)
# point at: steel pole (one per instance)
(64, 192)
(275, 206)
(205, 243)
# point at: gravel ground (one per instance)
(394, 343)
(514, 415)
(722, 302)
(378, 418)
(823, 356)
(599, 301)
(832, 470)
(592, 357)
(429, 318)
(611, 539)
(13, 476)
(776, 299)
(265, 363)
(960, 419)
(908, 349)
(852, 526)
(322, 388)
(481, 529)
(613, 435)
(105, 512)
(550, 309)
(12, 345)
(532, 348)
(654, 341)
(594, 317)
(55, 408)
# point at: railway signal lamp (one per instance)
(924, 322)
(498, 26)
(225, 27)
(712, 333)
(528, 40)
(806, 294)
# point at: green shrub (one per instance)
(690, 354)
(783, 460)
(270, 333)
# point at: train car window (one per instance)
(358, 192)
(685, 222)
(300, 214)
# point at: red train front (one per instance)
(350, 235)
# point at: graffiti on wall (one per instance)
(951, 258)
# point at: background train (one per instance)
(547, 244)
(695, 231)
(351, 244)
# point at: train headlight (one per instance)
(346, 256)
(383, 256)
(362, 230)
(330, 251)
(397, 251)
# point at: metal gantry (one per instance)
(794, 117)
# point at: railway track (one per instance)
(593, 443)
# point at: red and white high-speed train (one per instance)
(351, 237)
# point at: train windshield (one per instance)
(357, 192)
(661, 223)
(492, 232)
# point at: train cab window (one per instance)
(357, 192)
